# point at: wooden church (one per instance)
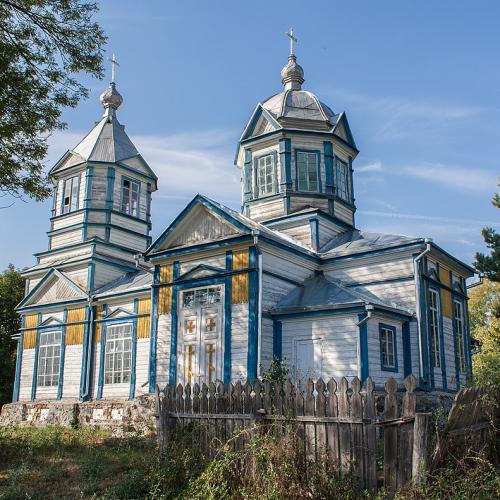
(109, 314)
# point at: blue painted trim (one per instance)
(106, 225)
(406, 348)
(227, 319)
(328, 154)
(134, 352)
(63, 355)
(154, 331)
(277, 340)
(454, 299)
(135, 181)
(56, 304)
(441, 337)
(247, 182)
(392, 328)
(285, 150)
(148, 204)
(83, 244)
(35, 364)
(100, 380)
(90, 277)
(110, 188)
(122, 319)
(351, 186)
(314, 225)
(381, 282)
(425, 381)
(85, 360)
(323, 312)
(363, 344)
(195, 248)
(91, 363)
(19, 360)
(253, 329)
(173, 339)
(88, 188)
(318, 169)
(316, 212)
(255, 183)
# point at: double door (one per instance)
(200, 340)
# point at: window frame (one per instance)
(41, 372)
(122, 371)
(73, 207)
(122, 196)
(318, 170)
(460, 336)
(390, 328)
(348, 198)
(256, 166)
(435, 332)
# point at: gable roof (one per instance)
(319, 292)
(129, 282)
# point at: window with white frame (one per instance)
(434, 314)
(458, 317)
(265, 175)
(130, 197)
(118, 359)
(387, 347)
(49, 358)
(71, 187)
(342, 180)
(307, 171)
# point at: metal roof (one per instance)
(128, 282)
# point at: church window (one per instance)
(434, 328)
(118, 359)
(70, 194)
(458, 316)
(265, 175)
(342, 179)
(388, 347)
(307, 171)
(49, 358)
(130, 197)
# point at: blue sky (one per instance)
(419, 81)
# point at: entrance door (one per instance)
(200, 340)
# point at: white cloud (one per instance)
(374, 166)
(456, 177)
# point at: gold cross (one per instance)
(190, 326)
(211, 324)
(210, 349)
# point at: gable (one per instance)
(54, 287)
(343, 130)
(202, 221)
(260, 123)
(201, 226)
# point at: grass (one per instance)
(87, 463)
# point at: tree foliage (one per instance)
(484, 315)
(44, 45)
(11, 293)
(489, 265)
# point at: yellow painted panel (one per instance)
(239, 288)
(144, 306)
(164, 299)
(143, 327)
(97, 333)
(446, 298)
(74, 333)
(166, 273)
(29, 339)
(30, 321)
(240, 259)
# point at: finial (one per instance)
(114, 63)
(293, 39)
(111, 98)
(292, 75)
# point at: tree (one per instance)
(489, 265)
(44, 45)
(484, 315)
(11, 293)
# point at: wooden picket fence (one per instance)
(344, 425)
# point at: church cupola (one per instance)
(296, 155)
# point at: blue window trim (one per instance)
(19, 360)
(336, 160)
(363, 344)
(318, 169)
(110, 189)
(442, 358)
(227, 319)
(35, 365)
(253, 327)
(134, 351)
(285, 151)
(154, 330)
(62, 355)
(457, 298)
(255, 183)
(392, 328)
(174, 326)
(247, 182)
(277, 340)
(85, 361)
(405, 331)
(102, 343)
(329, 157)
(135, 181)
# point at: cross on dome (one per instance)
(293, 39)
(292, 75)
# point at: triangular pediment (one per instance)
(202, 221)
(260, 123)
(201, 271)
(53, 288)
(119, 313)
(343, 130)
(51, 321)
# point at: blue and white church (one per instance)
(110, 314)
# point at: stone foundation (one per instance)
(120, 417)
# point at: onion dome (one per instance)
(292, 75)
(111, 99)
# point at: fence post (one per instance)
(421, 434)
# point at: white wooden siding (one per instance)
(27, 365)
(266, 343)
(449, 353)
(163, 349)
(142, 367)
(68, 220)
(342, 212)
(239, 341)
(72, 371)
(66, 238)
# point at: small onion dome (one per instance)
(111, 98)
(292, 75)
